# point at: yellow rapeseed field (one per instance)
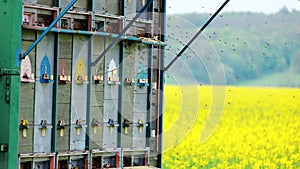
(259, 127)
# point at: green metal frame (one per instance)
(10, 43)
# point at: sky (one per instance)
(209, 6)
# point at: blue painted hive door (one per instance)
(45, 70)
(142, 76)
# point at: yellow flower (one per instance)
(259, 128)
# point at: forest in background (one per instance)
(255, 49)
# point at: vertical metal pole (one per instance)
(161, 95)
(120, 105)
(10, 42)
(150, 75)
(55, 93)
(89, 91)
(149, 104)
(121, 87)
(89, 99)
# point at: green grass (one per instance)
(284, 79)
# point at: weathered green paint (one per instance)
(10, 44)
(26, 113)
(26, 105)
(64, 93)
(97, 94)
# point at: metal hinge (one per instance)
(8, 73)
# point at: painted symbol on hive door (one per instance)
(45, 71)
(26, 74)
(142, 77)
(112, 74)
(81, 77)
(63, 77)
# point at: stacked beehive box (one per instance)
(78, 113)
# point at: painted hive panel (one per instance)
(43, 95)
(27, 99)
(63, 137)
(111, 94)
(64, 96)
(97, 95)
(79, 93)
(26, 113)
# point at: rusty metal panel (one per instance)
(41, 164)
(79, 93)
(77, 163)
(135, 157)
(106, 159)
(74, 161)
(43, 98)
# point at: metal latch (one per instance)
(8, 73)
(3, 147)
